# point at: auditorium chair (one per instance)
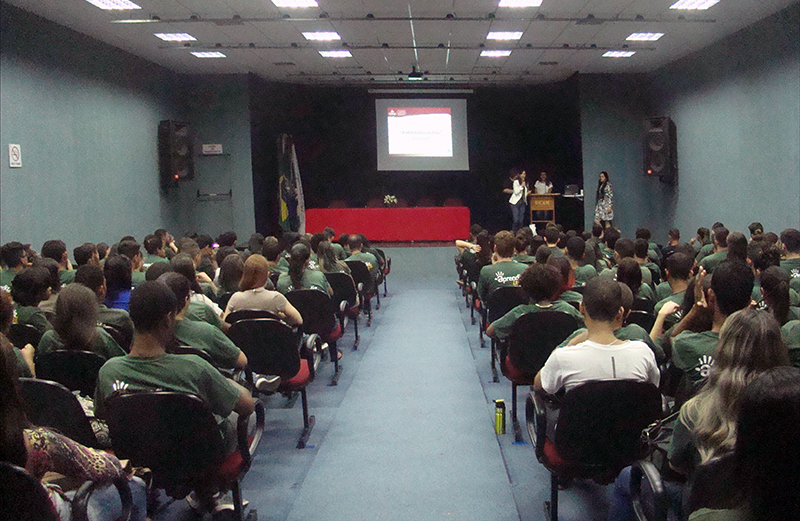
(641, 318)
(319, 318)
(364, 284)
(177, 437)
(593, 432)
(345, 298)
(75, 370)
(533, 337)
(123, 340)
(387, 268)
(498, 303)
(273, 348)
(23, 498)
(21, 335)
(50, 404)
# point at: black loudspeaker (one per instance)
(175, 152)
(660, 149)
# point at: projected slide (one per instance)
(420, 131)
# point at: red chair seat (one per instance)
(335, 334)
(298, 381)
(517, 376)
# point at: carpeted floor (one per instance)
(408, 434)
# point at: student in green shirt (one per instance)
(301, 275)
(15, 259)
(75, 325)
(154, 247)
(148, 367)
(29, 287)
(201, 335)
(57, 251)
(576, 252)
(790, 243)
(503, 271)
(540, 283)
(678, 270)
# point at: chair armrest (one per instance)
(536, 418)
(307, 345)
(649, 501)
(248, 448)
(80, 502)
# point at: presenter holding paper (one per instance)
(519, 198)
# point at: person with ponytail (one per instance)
(300, 276)
(774, 283)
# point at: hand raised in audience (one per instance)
(669, 308)
(699, 293)
(203, 277)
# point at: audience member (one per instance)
(503, 271)
(678, 268)
(48, 305)
(154, 246)
(328, 262)
(566, 280)
(23, 354)
(630, 272)
(641, 255)
(602, 356)
(674, 240)
(92, 277)
(709, 247)
(201, 335)
(133, 251)
(75, 325)
(540, 284)
(790, 243)
(148, 367)
(711, 261)
(57, 250)
(301, 275)
(576, 254)
(15, 259)
(774, 283)
(252, 294)
(701, 240)
(117, 271)
(29, 287)
(86, 253)
(356, 243)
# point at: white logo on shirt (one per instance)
(704, 365)
(119, 386)
(502, 279)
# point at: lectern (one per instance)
(542, 203)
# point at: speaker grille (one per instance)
(175, 152)
(660, 148)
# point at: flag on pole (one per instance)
(290, 188)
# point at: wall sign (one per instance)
(212, 149)
(15, 156)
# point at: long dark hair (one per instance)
(601, 185)
(775, 290)
(12, 415)
(297, 264)
(327, 258)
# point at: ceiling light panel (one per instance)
(343, 53)
(322, 36)
(489, 53)
(519, 3)
(618, 54)
(209, 54)
(644, 37)
(176, 37)
(504, 35)
(693, 5)
(295, 4)
(114, 5)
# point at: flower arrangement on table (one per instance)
(389, 200)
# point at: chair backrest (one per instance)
(271, 346)
(643, 304)
(22, 334)
(316, 308)
(707, 490)
(173, 434)
(641, 318)
(504, 299)
(75, 370)
(360, 274)
(119, 336)
(22, 496)
(344, 289)
(249, 313)
(600, 423)
(50, 404)
(534, 336)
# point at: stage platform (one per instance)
(446, 223)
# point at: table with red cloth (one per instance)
(445, 223)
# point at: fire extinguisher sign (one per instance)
(14, 156)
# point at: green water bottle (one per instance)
(500, 416)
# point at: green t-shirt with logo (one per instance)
(792, 266)
(493, 276)
(505, 324)
(693, 353)
(202, 312)
(180, 373)
(103, 344)
(209, 339)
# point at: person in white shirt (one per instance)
(518, 200)
(602, 356)
(543, 184)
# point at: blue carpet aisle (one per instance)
(412, 438)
